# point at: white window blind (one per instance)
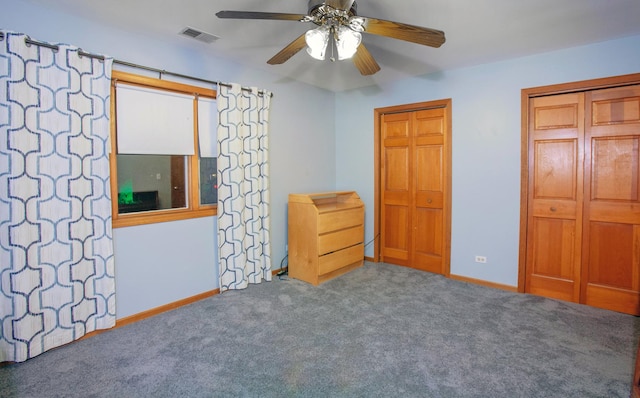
(151, 121)
(208, 127)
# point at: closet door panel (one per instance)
(554, 223)
(615, 172)
(611, 266)
(396, 233)
(428, 221)
(613, 272)
(397, 198)
(553, 258)
(555, 169)
(611, 248)
(621, 108)
(428, 246)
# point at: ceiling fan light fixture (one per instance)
(317, 40)
(340, 27)
(348, 42)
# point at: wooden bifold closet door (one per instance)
(415, 215)
(583, 216)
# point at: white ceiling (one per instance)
(477, 31)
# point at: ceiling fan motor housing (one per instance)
(318, 11)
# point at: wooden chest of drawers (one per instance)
(326, 235)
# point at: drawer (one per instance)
(336, 260)
(337, 240)
(335, 220)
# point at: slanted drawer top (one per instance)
(324, 199)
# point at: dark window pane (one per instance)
(208, 181)
(151, 182)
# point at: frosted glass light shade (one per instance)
(348, 42)
(317, 40)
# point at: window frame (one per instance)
(192, 164)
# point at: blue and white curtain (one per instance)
(243, 186)
(56, 253)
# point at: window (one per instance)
(163, 150)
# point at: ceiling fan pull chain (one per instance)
(333, 42)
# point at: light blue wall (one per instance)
(159, 264)
(162, 263)
(486, 143)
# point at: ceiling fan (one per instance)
(340, 25)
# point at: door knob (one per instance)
(429, 201)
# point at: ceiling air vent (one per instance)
(199, 35)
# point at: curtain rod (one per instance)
(161, 72)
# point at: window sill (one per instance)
(153, 217)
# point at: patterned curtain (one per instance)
(56, 252)
(243, 187)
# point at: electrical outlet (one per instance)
(481, 259)
(286, 248)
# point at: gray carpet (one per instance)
(379, 331)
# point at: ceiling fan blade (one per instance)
(401, 31)
(260, 15)
(289, 51)
(364, 61)
(340, 4)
